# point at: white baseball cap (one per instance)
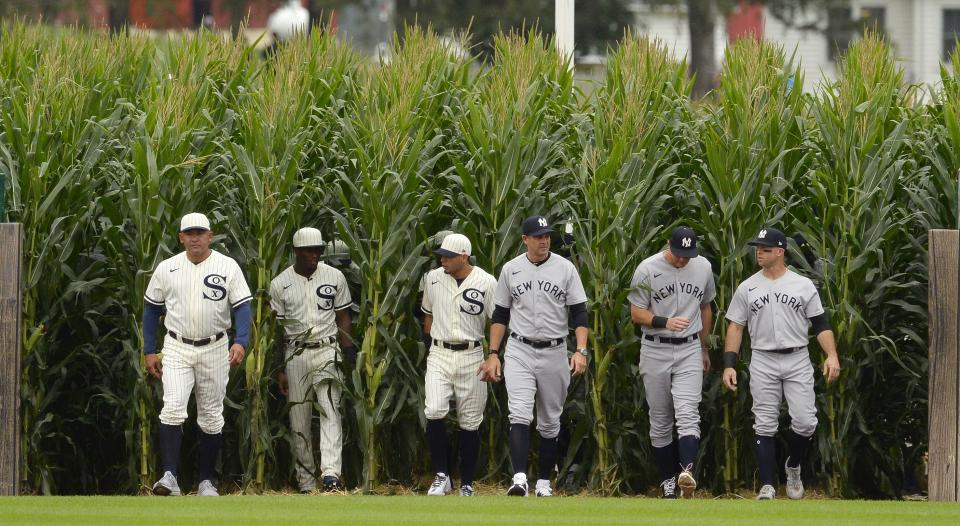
(194, 221)
(307, 237)
(454, 245)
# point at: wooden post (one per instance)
(11, 284)
(944, 402)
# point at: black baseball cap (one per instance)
(769, 237)
(536, 226)
(683, 242)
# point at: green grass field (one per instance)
(455, 511)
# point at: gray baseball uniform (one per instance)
(776, 313)
(538, 297)
(672, 371)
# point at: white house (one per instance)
(921, 32)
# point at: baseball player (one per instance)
(670, 297)
(197, 290)
(312, 302)
(457, 300)
(777, 305)
(533, 295)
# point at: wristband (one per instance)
(659, 322)
(494, 352)
(730, 360)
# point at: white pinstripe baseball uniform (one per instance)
(199, 299)
(306, 309)
(460, 313)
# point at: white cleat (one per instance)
(688, 484)
(767, 493)
(519, 487)
(794, 482)
(207, 489)
(441, 486)
(167, 485)
(466, 490)
(543, 489)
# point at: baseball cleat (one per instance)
(466, 490)
(331, 484)
(794, 482)
(167, 485)
(519, 487)
(687, 483)
(668, 488)
(441, 486)
(767, 493)
(207, 489)
(543, 489)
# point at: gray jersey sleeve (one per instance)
(640, 288)
(813, 305)
(501, 295)
(710, 292)
(575, 292)
(737, 310)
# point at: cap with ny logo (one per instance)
(683, 242)
(536, 226)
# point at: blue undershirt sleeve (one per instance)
(241, 322)
(151, 323)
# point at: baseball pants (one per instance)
(453, 374)
(774, 377)
(673, 383)
(536, 375)
(313, 373)
(204, 370)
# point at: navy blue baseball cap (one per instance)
(536, 226)
(683, 242)
(769, 237)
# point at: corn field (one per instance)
(106, 140)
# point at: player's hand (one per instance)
(282, 383)
(831, 369)
(236, 354)
(154, 366)
(730, 378)
(678, 323)
(490, 369)
(578, 364)
(706, 360)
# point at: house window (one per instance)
(951, 31)
(873, 18)
(840, 31)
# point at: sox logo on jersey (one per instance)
(459, 314)
(177, 284)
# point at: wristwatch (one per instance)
(585, 352)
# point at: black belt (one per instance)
(673, 341)
(788, 350)
(315, 345)
(457, 346)
(536, 344)
(197, 343)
